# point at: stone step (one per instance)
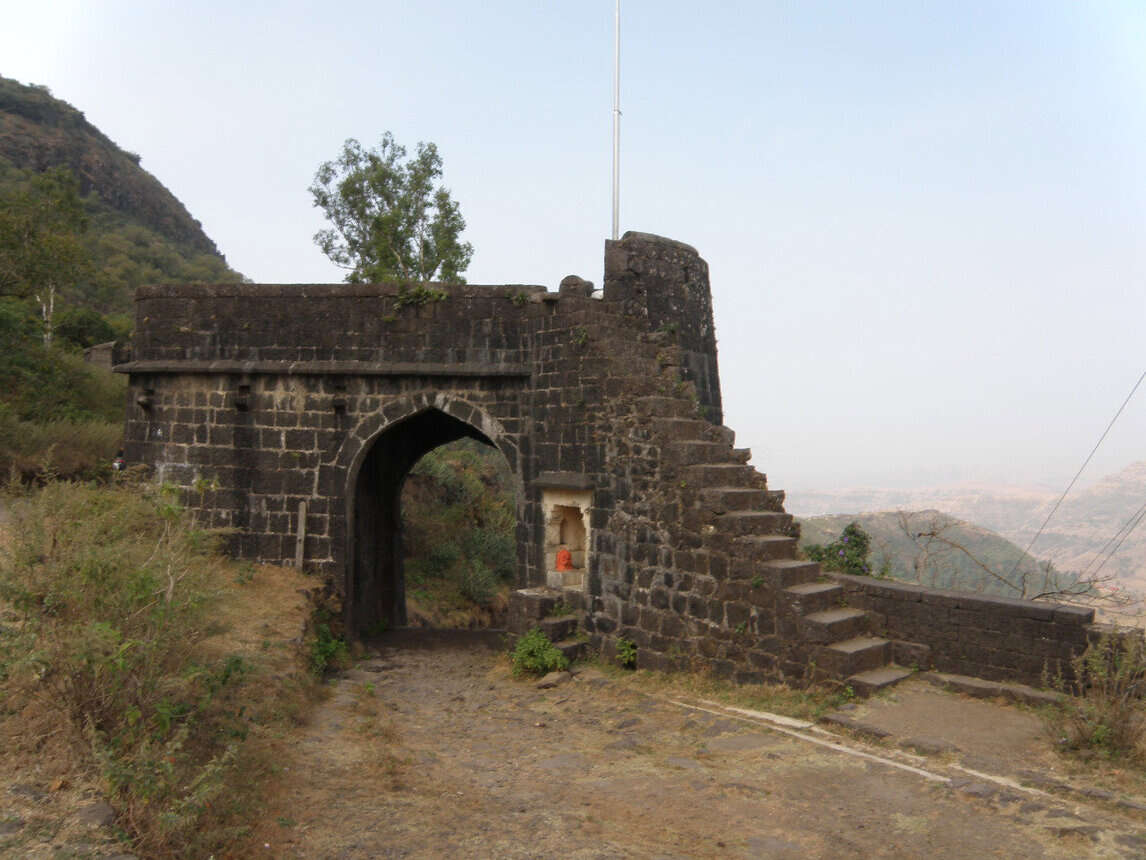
(666, 407)
(722, 475)
(691, 452)
(782, 574)
(833, 625)
(695, 429)
(742, 455)
(808, 598)
(752, 522)
(556, 629)
(852, 656)
(867, 683)
(722, 499)
(573, 578)
(527, 606)
(764, 548)
(573, 649)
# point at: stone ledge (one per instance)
(981, 689)
(1004, 606)
(564, 481)
(323, 368)
(336, 291)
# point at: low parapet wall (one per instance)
(971, 634)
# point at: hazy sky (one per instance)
(924, 221)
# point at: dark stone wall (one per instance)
(970, 634)
(258, 398)
(666, 283)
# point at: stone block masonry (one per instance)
(291, 414)
(995, 638)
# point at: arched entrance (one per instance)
(375, 596)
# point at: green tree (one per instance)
(41, 252)
(390, 221)
(82, 327)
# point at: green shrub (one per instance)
(327, 651)
(534, 654)
(626, 652)
(847, 554)
(79, 328)
(478, 583)
(442, 556)
(74, 450)
(495, 547)
(459, 520)
(42, 384)
(1105, 710)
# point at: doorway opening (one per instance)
(435, 522)
(458, 527)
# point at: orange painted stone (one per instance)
(564, 559)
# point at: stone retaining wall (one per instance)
(971, 634)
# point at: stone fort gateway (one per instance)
(291, 414)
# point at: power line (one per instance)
(1131, 524)
(1086, 462)
(1134, 516)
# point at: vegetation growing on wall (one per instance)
(847, 554)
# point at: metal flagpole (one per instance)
(617, 119)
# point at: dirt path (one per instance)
(438, 752)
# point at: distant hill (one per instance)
(1079, 529)
(934, 549)
(139, 232)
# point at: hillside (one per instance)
(928, 547)
(138, 231)
(82, 225)
(1082, 525)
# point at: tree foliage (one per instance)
(41, 250)
(40, 223)
(389, 219)
(458, 521)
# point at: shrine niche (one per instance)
(566, 536)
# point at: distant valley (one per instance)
(1074, 538)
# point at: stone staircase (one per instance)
(535, 607)
(736, 511)
(724, 507)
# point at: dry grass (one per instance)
(141, 667)
(807, 702)
(1105, 712)
(437, 604)
(63, 449)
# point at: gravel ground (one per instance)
(429, 748)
